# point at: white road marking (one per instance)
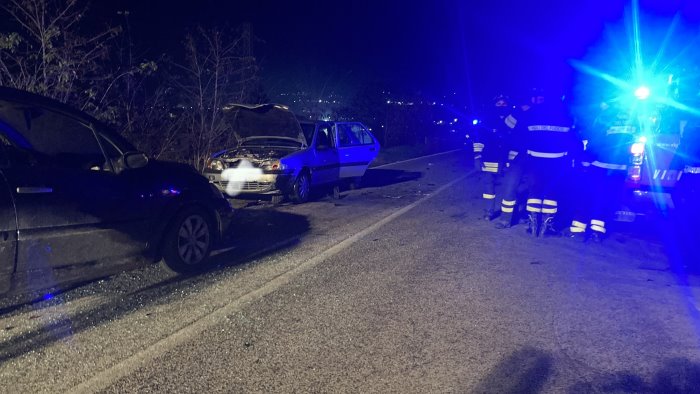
(417, 158)
(104, 379)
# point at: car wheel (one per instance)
(188, 241)
(301, 188)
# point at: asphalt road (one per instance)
(395, 287)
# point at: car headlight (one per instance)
(215, 165)
(274, 166)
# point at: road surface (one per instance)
(395, 287)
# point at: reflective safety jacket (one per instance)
(687, 157)
(491, 142)
(609, 145)
(546, 131)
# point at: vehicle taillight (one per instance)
(635, 173)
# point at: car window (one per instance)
(352, 135)
(325, 135)
(58, 140)
(110, 149)
(308, 130)
(323, 138)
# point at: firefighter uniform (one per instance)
(490, 151)
(549, 146)
(513, 177)
(686, 197)
(604, 173)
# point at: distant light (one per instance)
(48, 296)
(475, 122)
(642, 92)
(455, 120)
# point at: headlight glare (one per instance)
(215, 165)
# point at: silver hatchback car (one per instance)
(279, 156)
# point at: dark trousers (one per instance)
(599, 194)
(682, 243)
(545, 180)
(488, 185)
(512, 179)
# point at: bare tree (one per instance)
(219, 70)
(49, 55)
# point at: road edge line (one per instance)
(416, 158)
(107, 377)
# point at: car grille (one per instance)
(250, 186)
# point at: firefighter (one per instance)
(549, 145)
(514, 174)
(686, 197)
(604, 170)
(490, 151)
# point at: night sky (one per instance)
(472, 48)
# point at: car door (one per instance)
(357, 147)
(72, 207)
(325, 166)
(8, 227)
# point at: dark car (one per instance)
(77, 201)
(279, 156)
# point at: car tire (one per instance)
(301, 189)
(188, 241)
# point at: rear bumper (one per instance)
(644, 202)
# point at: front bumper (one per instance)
(266, 184)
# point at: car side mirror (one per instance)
(132, 161)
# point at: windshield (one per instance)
(308, 129)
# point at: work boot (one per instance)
(547, 228)
(533, 224)
(504, 221)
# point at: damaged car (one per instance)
(280, 157)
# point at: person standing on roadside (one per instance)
(491, 151)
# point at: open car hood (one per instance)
(263, 120)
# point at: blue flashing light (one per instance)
(642, 92)
(48, 296)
